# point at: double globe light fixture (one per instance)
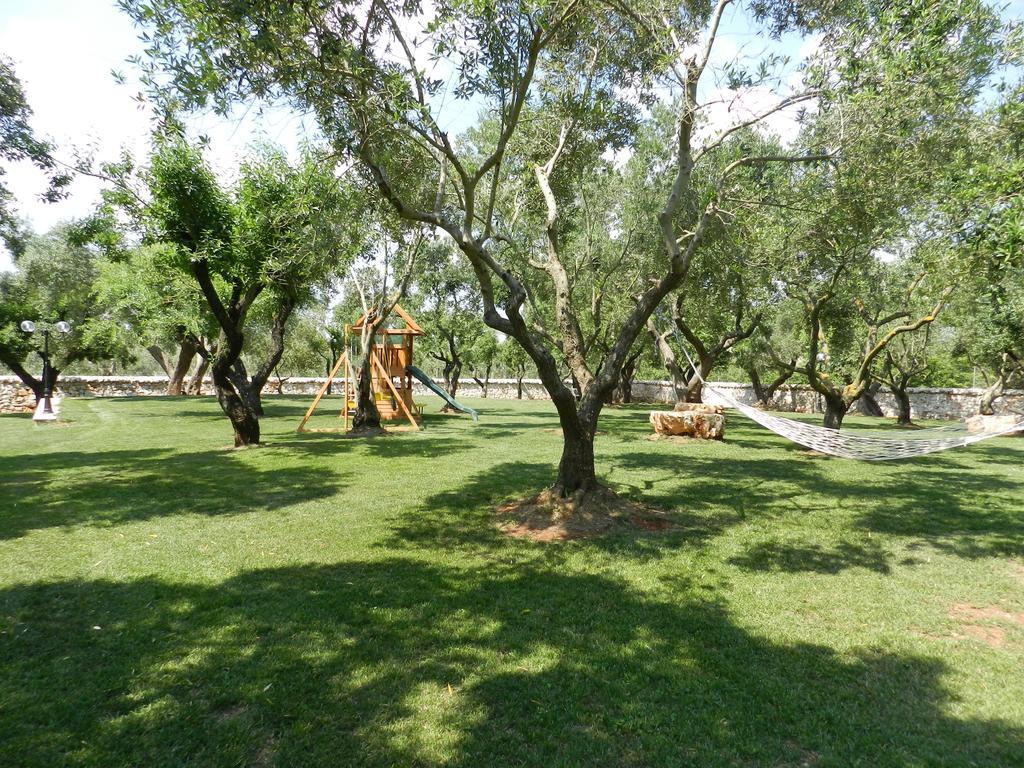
(44, 409)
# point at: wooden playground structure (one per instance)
(390, 380)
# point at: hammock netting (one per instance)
(866, 447)
(880, 446)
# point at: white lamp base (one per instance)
(41, 415)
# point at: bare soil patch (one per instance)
(549, 517)
(993, 636)
(964, 611)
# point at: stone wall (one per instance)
(927, 403)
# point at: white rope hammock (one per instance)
(876, 447)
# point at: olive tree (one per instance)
(55, 278)
(19, 142)
(562, 81)
(280, 233)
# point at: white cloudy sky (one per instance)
(64, 51)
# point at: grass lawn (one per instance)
(165, 601)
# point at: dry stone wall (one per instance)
(927, 403)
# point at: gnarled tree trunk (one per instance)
(991, 394)
(195, 384)
(367, 416)
(903, 409)
(243, 420)
(186, 354)
(868, 402)
(835, 411)
(15, 364)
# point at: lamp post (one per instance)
(44, 410)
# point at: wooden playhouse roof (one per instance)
(411, 327)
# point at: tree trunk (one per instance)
(626, 388)
(22, 373)
(694, 391)
(483, 383)
(446, 374)
(259, 379)
(835, 411)
(453, 383)
(576, 473)
(695, 386)
(766, 394)
(367, 416)
(868, 403)
(195, 384)
(487, 379)
(244, 422)
(186, 354)
(669, 360)
(246, 389)
(758, 387)
(903, 412)
(779, 380)
(158, 354)
(519, 388)
(623, 392)
(993, 393)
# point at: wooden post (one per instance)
(398, 398)
(348, 393)
(323, 389)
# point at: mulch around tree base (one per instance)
(549, 517)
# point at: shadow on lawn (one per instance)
(400, 662)
(73, 488)
(937, 500)
(789, 558)
(462, 517)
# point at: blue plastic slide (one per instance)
(439, 391)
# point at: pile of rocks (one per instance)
(17, 400)
(691, 420)
(993, 423)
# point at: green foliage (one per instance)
(988, 201)
(19, 142)
(55, 279)
(147, 289)
(449, 308)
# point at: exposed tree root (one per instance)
(549, 516)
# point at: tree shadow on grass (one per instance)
(72, 488)
(463, 518)
(777, 556)
(952, 509)
(938, 500)
(397, 445)
(400, 662)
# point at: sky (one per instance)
(64, 52)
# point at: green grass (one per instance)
(165, 601)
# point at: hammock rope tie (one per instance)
(879, 447)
